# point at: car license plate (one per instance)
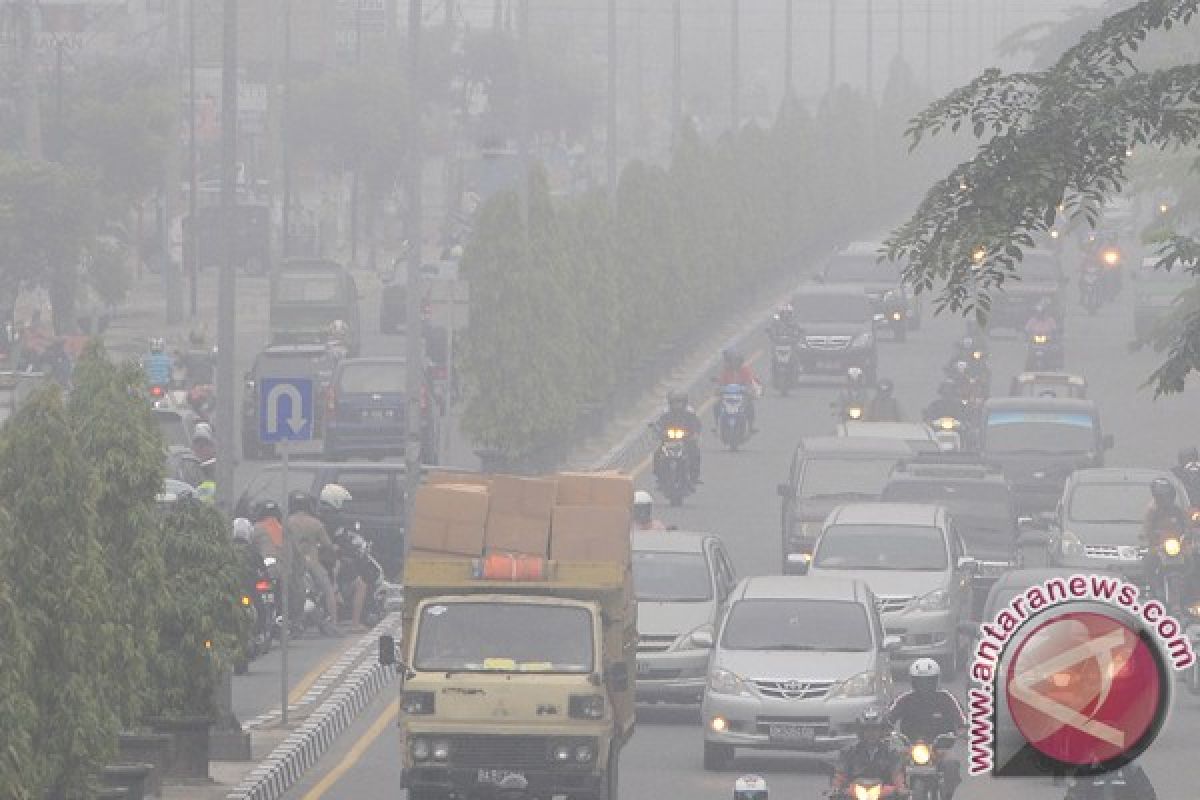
(792, 733)
(267, 597)
(506, 777)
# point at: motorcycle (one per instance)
(1044, 355)
(1174, 568)
(867, 790)
(851, 406)
(948, 433)
(895, 315)
(733, 421)
(922, 773)
(354, 558)
(671, 468)
(783, 366)
(1089, 289)
(266, 620)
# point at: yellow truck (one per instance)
(520, 687)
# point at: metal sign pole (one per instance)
(286, 578)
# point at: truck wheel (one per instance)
(717, 757)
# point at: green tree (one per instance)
(54, 565)
(18, 716)
(201, 622)
(122, 446)
(1058, 137)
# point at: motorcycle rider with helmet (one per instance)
(643, 513)
(202, 442)
(871, 758)
(784, 327)
(735, 371)
(679, 414)
(854, 393)
(268, 529)
(926, 712)
(1042, 322)
(1188, 472)
(884, 405)
(750, 787)
(948, 403)
(354, 571)
(308, 535)
(1163, 516)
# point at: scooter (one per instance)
(1045, 354)
(733, 422)
(671, 467)
(784, 376)
(921, 771)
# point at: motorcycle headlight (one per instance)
(867, 792)
(947, 423)
(1040, 338)
(1070, 545)
(854, 412)
(864, 339)
(937, 600)
(722, 681)
(1172, 546)
(676, 433)
(1054, 234)
(864, 684)
(920, 754)
(1112, 257)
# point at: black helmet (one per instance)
(1188, 455)
(300, 500)
(677, 400)
(886, 387)
(1162, 490)
(267, 508)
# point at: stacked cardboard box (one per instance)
(569, 517)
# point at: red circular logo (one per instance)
(1085, 689)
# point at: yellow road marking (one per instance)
(364, 742)
(309, 679)
(645, 463)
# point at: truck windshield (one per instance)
(818, 625)
(504, 637)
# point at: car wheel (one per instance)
(717, 757)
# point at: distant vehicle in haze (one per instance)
(307, 297)
(839, 331)
(894, 306)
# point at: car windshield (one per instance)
(1039, 432)
(819, 625)
(832, 308)
(671, 577)
(1039, 268)
(1109, 502)
(173, 429)
(323, 288)
(881, 547)
(288, 362)
(845, 478)
(969, 502)
(379, 378)
(504, 637)
(861, 268)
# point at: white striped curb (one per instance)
(301, 750)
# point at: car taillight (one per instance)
(156, 391)
(263, 586)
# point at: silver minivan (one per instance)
(796, 661)
(682, 582)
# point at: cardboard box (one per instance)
(526, 497)
(449, 518)
(517, 533)
(440, 477)
(595, 489)
(591, 533)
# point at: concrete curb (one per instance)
(301, 750)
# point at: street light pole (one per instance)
(413, 339)
(832, 43)
(735, 78)
(610, 143)
(227, 288)
(284, 129)
(870, 50)
(192, 245)
(171, 278)
(788, 53)
(523, 130)
(677, 72)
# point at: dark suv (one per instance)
(315, 362)
(839, 330)
(1041, 279)
(858, 265)
(365, 414)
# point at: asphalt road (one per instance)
(738, 502)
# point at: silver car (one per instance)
(796, 661)
(914, 560)
(682, 581)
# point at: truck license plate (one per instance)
(792, 733)
(506, 777)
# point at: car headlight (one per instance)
(420, 749)
(854, 412)
(865, 339)
(722, 681)
(1172, 546)
(920, 754)
(864, 684)
(1070, 545)
(687, 642)
(937, 600)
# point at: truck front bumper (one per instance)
(484, 782)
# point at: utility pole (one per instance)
(900, 29)
(172, 286)
(58, 96)
(523, 128)
(735, 78)
(929, 45)
(227, 289)
(788, 53)
(414, 340)
(31, 112)
(193, 237)
(285, 156)
(677, 72)
(610, 137)
(870, 50)
(832, 43)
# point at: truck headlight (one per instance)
(441, 750)
(722, 681)
(417, 702)
(937, 600)
(563, 753)
(420, 749)
(586, 706)
(585, 754)
(1070, 545)
(865, 339)
(864, 684)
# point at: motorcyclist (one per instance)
(339, 337)
(679, 414)
(783, 328)
(198, 361)
(1042, 323)
(926, 712)
(871, 758)
(750, 787)
(158, 364)
(354, 570)
(1163, 516)
(202, 442)
(643, 513)
(735, 371)
(307, 534)
(855, 391)
(1188, 472)
(268, 529)
(948, 403)
(243, 538)
(884, 405)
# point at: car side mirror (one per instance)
(891, 644)
(968, 563)
(387, 650)
(798, 563)
(617, 676)
(702, 640)
(1108, 441)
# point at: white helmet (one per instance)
(202, 431)
(242, 529)
(335, 496)
(750, 787)
(925, 673)
(643, 498)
